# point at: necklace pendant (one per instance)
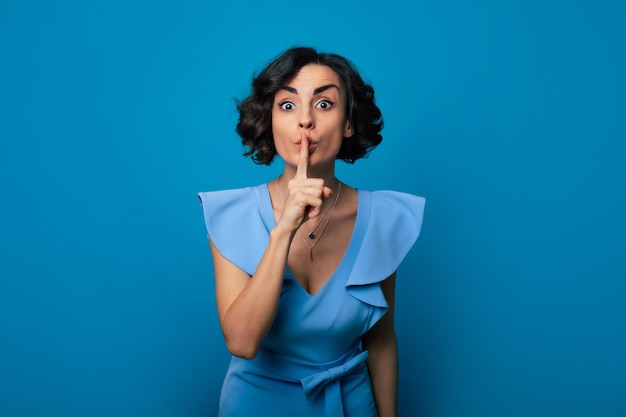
(311, 235)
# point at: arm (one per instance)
(247, 305)
(382, 362)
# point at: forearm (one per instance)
(247, 305)
(250, 316)
(383, 369)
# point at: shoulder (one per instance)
(390, 223)
(236, 224)
(236, 195)
(397, 198)
(396, 210)
(233, 202)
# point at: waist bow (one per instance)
(329, 380)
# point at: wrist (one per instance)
(280, 233)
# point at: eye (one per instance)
(286, 105)
(324, 104)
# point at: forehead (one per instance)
(313, 75)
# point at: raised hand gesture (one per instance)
(305, 195)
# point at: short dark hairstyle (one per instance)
(255, 111)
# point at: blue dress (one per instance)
(311, 363)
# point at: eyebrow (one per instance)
(316, 91)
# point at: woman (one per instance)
(305, 265)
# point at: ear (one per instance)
(348, 131)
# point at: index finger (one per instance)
(303, 162)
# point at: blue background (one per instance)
(509, 117)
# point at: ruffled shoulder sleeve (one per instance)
(236, 226)
(394, 223)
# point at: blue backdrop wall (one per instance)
(507, 116)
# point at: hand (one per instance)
(305, 195)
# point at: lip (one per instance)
(312, 145)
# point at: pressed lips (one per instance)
(312, 145)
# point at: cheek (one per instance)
(279, 121)
(279, 131)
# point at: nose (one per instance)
(305, 120)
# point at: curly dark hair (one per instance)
(255, 111)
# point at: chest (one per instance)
(320, 327)
(313, 261)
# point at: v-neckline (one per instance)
(267, 212)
